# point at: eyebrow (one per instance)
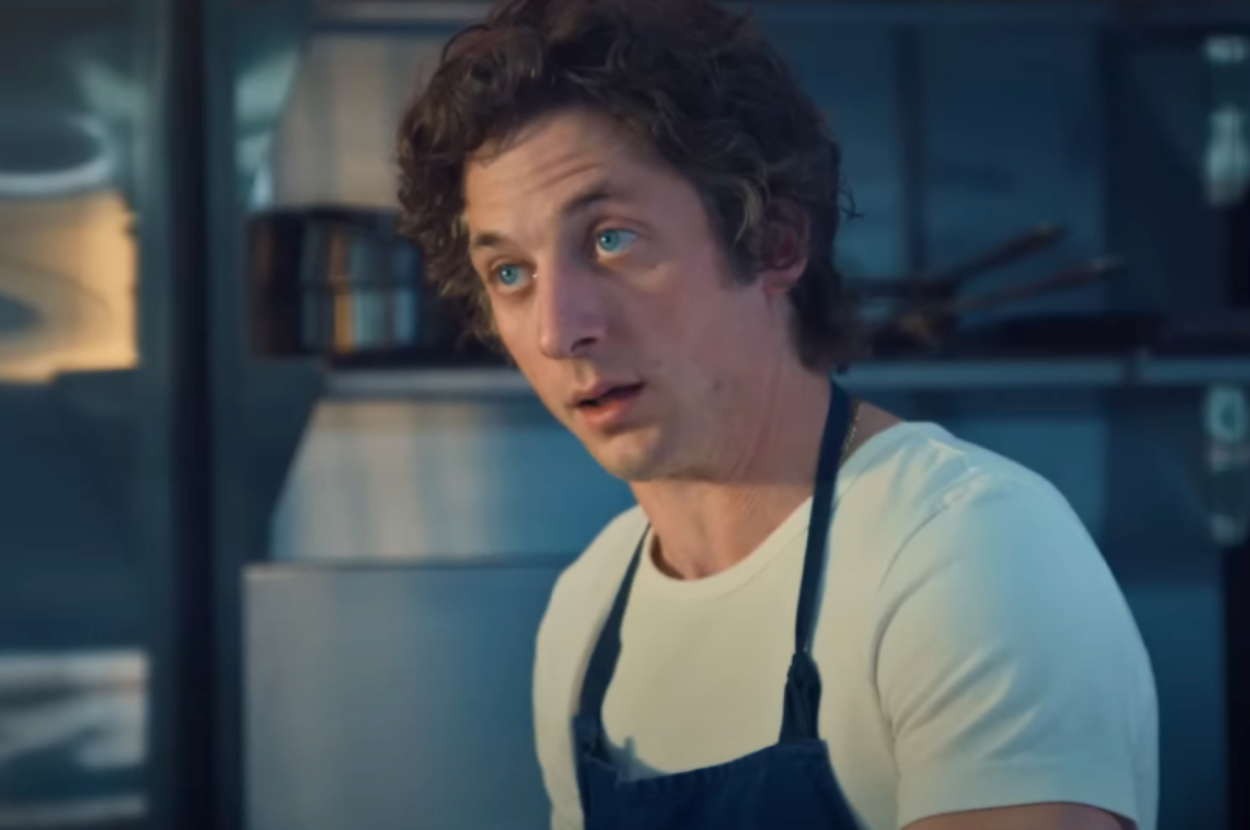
(593, 195)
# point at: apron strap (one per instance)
(608, 649)
(837, 422)
(802, 696)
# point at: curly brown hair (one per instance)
(694, 80)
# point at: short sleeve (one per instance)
(1009, 668)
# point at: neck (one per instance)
(706, 525)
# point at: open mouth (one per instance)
(611, 408)
(618, 393)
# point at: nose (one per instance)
(570, 309)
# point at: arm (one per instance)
(1030, 817)
(1011, 674)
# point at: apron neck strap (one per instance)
(837, 422)
(802, 697)
(603, 659)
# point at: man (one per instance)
(818, 615)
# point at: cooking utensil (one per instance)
(931, 325)
(945, 283)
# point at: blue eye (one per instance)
(614, 240)
(509, 275)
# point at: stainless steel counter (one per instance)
(394, 697)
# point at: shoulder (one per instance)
(964, 532)
(916, 486)
(926, 469)
(965, 502)
(595, 574)
(1005, 659)
(939, 544)
(582, 594)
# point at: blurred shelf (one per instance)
(276, 569)
(392, 16)
(1194, 371)
(126, 811)
(389, 384)
(900, 376)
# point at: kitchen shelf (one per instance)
(287, 568)
(901, 376)
(389, 384)
(392, 16)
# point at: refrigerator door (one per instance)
(393, 698)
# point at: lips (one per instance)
(607, 407)
(604, 393)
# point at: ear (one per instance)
(784, 249)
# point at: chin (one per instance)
(630, 459)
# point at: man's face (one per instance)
(609, 288)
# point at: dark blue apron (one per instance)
(788, 785)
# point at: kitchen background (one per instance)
(256, 508)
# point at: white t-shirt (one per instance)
(974, 648)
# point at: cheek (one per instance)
(518, 339)
(709, 316)
(510, 330)
(685, 295)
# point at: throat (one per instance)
(758, 471)
(714, 542)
